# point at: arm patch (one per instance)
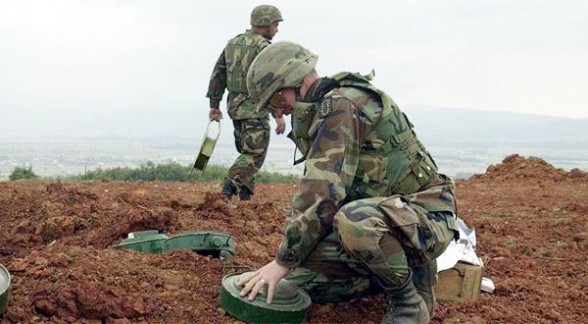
(325, 108)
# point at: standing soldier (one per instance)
(251, 126)
(372, 212)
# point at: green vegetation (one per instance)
(22, 173)
(511, 242)
(174, 172)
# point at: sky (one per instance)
(84, 58)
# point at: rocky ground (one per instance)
(57, 239)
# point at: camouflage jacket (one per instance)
(362, 146)
(230, 72)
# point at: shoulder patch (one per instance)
(325, 108)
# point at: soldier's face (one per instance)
(287, 99)
(272, 29)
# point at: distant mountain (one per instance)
(434, 124)
(458, 126)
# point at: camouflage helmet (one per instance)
(265, 15)
(278, 66)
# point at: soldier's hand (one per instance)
(215, 114)
(269, 275)
(281, 125)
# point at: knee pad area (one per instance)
(360, 236)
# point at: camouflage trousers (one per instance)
(251, 141)
(374, 240)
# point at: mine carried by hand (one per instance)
(207, 147)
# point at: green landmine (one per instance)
(206, 149)
(290, 303)
(217, 245)
(4, 288)
(144, 241)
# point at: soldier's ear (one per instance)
(307, 83)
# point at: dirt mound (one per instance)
(85, 283)
(516, 167)
(57, 239)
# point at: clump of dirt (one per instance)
(61, 193)
(516, 167)
(85, 283)
(576, 173)
(57, 227)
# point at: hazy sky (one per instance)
(74, 57)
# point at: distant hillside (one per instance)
(462, 141)
(449, 126)
(435, 125)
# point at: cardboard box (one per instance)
(462, 282)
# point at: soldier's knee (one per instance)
(359, 235)
(345, 220)
(347, 230)
(359, 210)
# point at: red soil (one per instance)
(56, 239)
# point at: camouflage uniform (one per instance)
(371, 200)
(251, 126)
(372, 209)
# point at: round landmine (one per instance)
(4, 288)
(289, 305)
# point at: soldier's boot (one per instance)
(245, 193)
(424, 278)
(406, 305)
(229, 190)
